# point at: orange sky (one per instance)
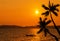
(22, 12)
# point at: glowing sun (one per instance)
(36, 11)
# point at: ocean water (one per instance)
(21, 34)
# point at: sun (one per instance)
(36, 11)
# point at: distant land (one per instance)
(15, 26)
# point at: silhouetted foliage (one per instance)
(43, 24)
(51, 8)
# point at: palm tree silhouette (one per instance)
(43, 24)
(52, 8)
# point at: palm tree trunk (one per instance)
(53, 36)
(54, 24)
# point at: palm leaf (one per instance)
(55, 13)
(46, 13)
(40, 19)
(56, 5)
(46, 8)
(52, 4)
(48, 22)
(40, 31)
(44, 19)
(57, 10)
(49, 4)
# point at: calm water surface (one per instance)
(19, 34)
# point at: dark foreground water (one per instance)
(21, 34)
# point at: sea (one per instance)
(17, 33)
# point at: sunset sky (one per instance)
(24, 12)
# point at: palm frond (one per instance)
(48, 22)
(52, 4)
(40, 19)
(49, 4)
(40, 30)
(44, 19)
(56, 5)
(57, 10)
(46, 8)
(55, 13)
(46, 13)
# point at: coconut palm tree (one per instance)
(51, 8)
(43, 24)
